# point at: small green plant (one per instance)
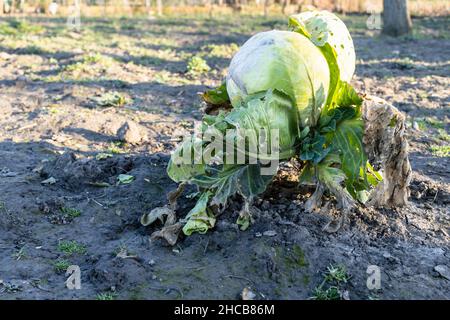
(89, 62)
(111, 99)
(19, 254)
(61, 265)
(32, 49)
(106, 296)
(93, 58)
(71, 212)
(332, 293)
(71, 247)
(435, 123)
(374, 296)
(103, 156)
(443, 135)
(297, 258)
(197, 66)
(116, 147)
(330, 288)
(19, 27)
(440, 151)
(223, 50)
(406, 63)
(336, 274)
(423, 125)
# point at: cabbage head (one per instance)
(285, 61)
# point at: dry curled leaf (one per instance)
(157, 213)
(123, 253)
(168, 233)
(174, 195)
(50, 180)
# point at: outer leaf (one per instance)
(264, 113)
(347, 96)
(200, 218)
(182, 168)
(313, 148)
(218, 96)
(348, 140)
(373, 176)
(307, 175)
(333, 178)
(328, 122)
(245, 180)
(251, 182)
(330, 56)
(325, 27)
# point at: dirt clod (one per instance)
(132, 133)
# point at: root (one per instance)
(315, 201)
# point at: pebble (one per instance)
(248, 294)
(443, 271)
(270, 233)
(4, 56)
(132, 133)
(389, 257)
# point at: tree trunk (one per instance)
(286, 3)
(396, 18)
(148, 7)
(105, 8)
(127, 7)
(159, 8)
(300, 5)
(266, 7)
(209, 3)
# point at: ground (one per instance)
(63, 97)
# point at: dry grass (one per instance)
(417, 8)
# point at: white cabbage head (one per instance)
(285, 61)
(324, 27)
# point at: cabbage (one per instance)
(285, 61)
(325, 27)
(297, 83)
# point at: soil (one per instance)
(55, 186)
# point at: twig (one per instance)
(239, 277)
(167, 290)
(435, 196)
(206, 247)
(26, 127)
(95, 201)
(196, 268)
